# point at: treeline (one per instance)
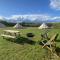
(30, 24)
(9, 24)
(52, 25)
(56, 25)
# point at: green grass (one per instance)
(17, 51)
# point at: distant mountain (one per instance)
(31, 19)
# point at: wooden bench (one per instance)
(7, 36)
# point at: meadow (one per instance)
(23, 50)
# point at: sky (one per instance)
(13, 9)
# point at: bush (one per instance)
(30, 35)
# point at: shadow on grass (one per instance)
(22, 40)
(58, 40)
(57, 51)
(41, 42)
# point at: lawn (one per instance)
(24, 50)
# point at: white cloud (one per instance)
(55, 4)
(32, 17)
(56, 18)
(15, 17)
(2, 18)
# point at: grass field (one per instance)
(24, 50)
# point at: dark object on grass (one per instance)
(30, 35)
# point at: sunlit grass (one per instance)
(17, 51)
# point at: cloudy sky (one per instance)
(30, 9)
